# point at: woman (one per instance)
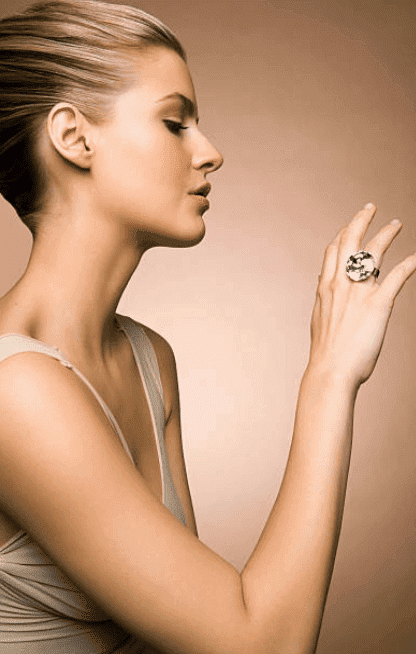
(102, 157)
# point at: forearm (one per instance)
(286, 579)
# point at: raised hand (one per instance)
(349, 319)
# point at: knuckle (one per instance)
(332, 285)
(324, 285)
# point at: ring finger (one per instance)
(352, 237)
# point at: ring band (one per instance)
(361, 265)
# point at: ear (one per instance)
(71, 134)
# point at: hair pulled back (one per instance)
(62, 51)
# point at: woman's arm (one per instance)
(287, 577)
(67, 480)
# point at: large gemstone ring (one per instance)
(361, 266)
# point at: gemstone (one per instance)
(360, 266)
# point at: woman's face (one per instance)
(151, 156)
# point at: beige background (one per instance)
(312, 105)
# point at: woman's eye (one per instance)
(174, 127)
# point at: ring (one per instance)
(361, 266)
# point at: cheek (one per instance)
(149, 160)
(142, 172)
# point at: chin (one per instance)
(188, 240)
(195, 235)
(184, 238)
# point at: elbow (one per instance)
(286, 632)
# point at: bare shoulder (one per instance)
(38, 396)
(66, 480)
(22, 373)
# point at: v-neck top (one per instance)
(41, 610)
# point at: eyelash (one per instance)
(174, 127)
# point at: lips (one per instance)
(202, 190)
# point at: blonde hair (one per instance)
(62, 51)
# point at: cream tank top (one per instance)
(41, 611)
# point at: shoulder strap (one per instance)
(146, 359)
(144, 349)
(147, 364)
(11, 344)
(148, 367)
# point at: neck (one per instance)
(73, 283)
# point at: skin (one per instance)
(127, 191)
(115, 191)
(276, 604)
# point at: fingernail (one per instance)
(369, 205)
(396, 221)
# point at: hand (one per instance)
(349, 319)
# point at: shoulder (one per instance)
(50, 426)
(38, 392)
(23, 372)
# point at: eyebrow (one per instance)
(188, 105)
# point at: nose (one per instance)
(206, 156)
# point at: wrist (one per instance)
(326, 378)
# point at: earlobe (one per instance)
(69, 133)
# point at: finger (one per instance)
(379, 245)
(396, 279)
(353, 236)
(330, 260)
